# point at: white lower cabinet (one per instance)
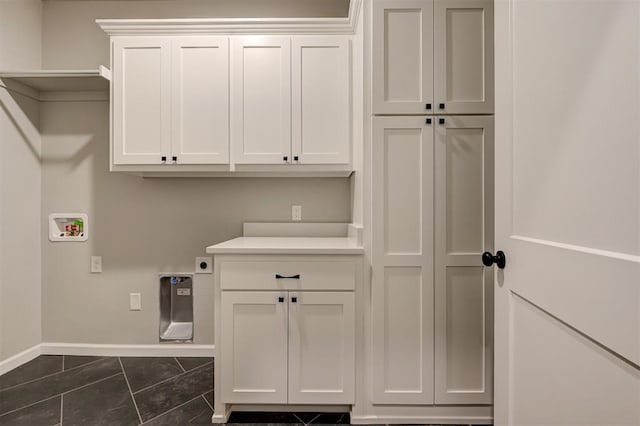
(288, 347)
(286, 332)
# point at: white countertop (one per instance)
(287, 245)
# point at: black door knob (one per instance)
(499, 259)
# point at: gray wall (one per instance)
(20, 266)
(141, 227)
(73, 40)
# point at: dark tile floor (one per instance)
(86, 391)
(120, 391)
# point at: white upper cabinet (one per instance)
(261, 93)
(402, 56)
(463, 56)
(200, 100)
(320, 90)
(170, 100)
(432, 56)
(141, 100)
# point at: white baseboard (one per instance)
(18, 359)
(159, 350)
(426, 420)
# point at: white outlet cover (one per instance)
(208, 269)
(96, 264)
(296, 213)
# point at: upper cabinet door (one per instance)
(200, 100)
(141, 100)
(261, 94)
(402, 56)
(320, 89)
(464, 56)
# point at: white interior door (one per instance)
(567, 320)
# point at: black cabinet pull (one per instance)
(295, 158)
(428, 106)
(285, 158)
(441, 106)
(294, 299)
(428, 121)
(163, 158)
(441, 120)
(280, 299)
(174, 158)
(292, 277)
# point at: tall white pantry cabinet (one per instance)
(430, 107)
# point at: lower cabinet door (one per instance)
(321, 347)
(254, 347)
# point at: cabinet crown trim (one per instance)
(339, 25)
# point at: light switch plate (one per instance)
(135, 302)
(204, 265)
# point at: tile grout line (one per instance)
(62, 362)
(205, 400)
(61, 405)
(130, 392)
(89, 384)
(313, 419)
(29, 405)
(170, 378)
(174, 408)
(53, 374)
(183, 370)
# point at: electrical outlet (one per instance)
(296, 213)
(135, 302)
(96, 264)
(204, 265)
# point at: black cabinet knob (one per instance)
(280, 299)
(294, 299)
(499, 259)
(295, 158)
(174, 158)
(428, 121)
(163, 158)
(441, 120)
(441, 106)
(285, 158)
(428, 106)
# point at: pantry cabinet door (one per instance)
(320, 90)
(463, 81)
(402, 56)
(254, 347)
(141, 108)
(464, 287)
(261, 99)
(402, 281)
(321, 347)
(200, 100)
